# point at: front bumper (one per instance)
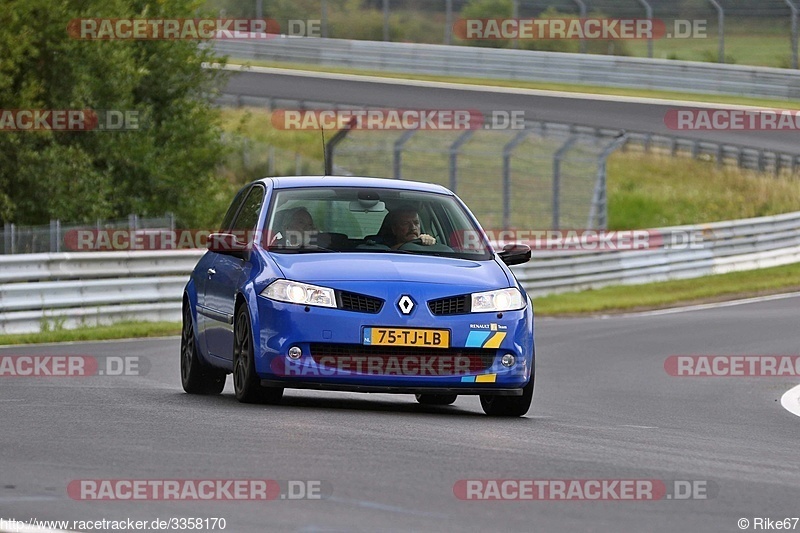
(280, 326)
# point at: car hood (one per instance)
(331, 267)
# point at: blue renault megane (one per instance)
(357, 284)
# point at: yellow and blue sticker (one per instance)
(483, 378)
(486, 335)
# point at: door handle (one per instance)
(211, 272)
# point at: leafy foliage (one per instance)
(168, 164)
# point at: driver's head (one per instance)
(405, 225)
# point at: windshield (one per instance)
(369, 220)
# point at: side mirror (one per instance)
(228, 244)
(515, 254)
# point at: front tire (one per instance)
(508, 405)
(436, 399)
(246, 383)
(196, 377)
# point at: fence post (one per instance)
(515, 16)
(53, 244)
(397, 165)
(582, 14)
(454, 149)
(507, 149)
(557, 180)
(448, 22)
(598, 213)
(649, 15)
(324, 16)
(386, 20)
(333, 142)
(794, 32)
(721, 29)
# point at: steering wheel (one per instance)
(415, 241)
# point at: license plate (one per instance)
(430, 338)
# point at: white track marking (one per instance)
(791, 401)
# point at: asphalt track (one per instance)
(604, 408)
(632, 114)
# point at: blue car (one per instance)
(357, 284)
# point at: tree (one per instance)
(168, 164)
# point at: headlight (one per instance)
(295, 292)
(500, 300)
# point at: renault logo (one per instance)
(406, 304)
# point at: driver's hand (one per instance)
(427, 240)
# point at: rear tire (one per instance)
(246, 383)
(196, 377)
(508, 405)
(436, 399)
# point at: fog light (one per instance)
(508, 360)
(295, 352)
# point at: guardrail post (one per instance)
(557, 180)
(398, 153)
(582, 7)
(507, 149)
(649, 15)
(454, 150)
(794, 32)
(720, 29)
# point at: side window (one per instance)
(227, 222)
(248, 215)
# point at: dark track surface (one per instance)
(604, 407)
(631, 116)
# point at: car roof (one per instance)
(289, 182)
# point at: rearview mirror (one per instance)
(515, 254)
(367, 206)
(228, 244)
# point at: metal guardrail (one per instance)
(69, 290)
(746, 244)
(73, 289)
(558, 67)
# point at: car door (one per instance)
(224, 277)
(205, 266)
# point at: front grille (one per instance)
(402, 360)
(351, 301)
(454, 305)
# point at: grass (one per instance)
(120, 330)
(545, 86)
(720, 287)
(651, 191)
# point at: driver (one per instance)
(405, 226)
